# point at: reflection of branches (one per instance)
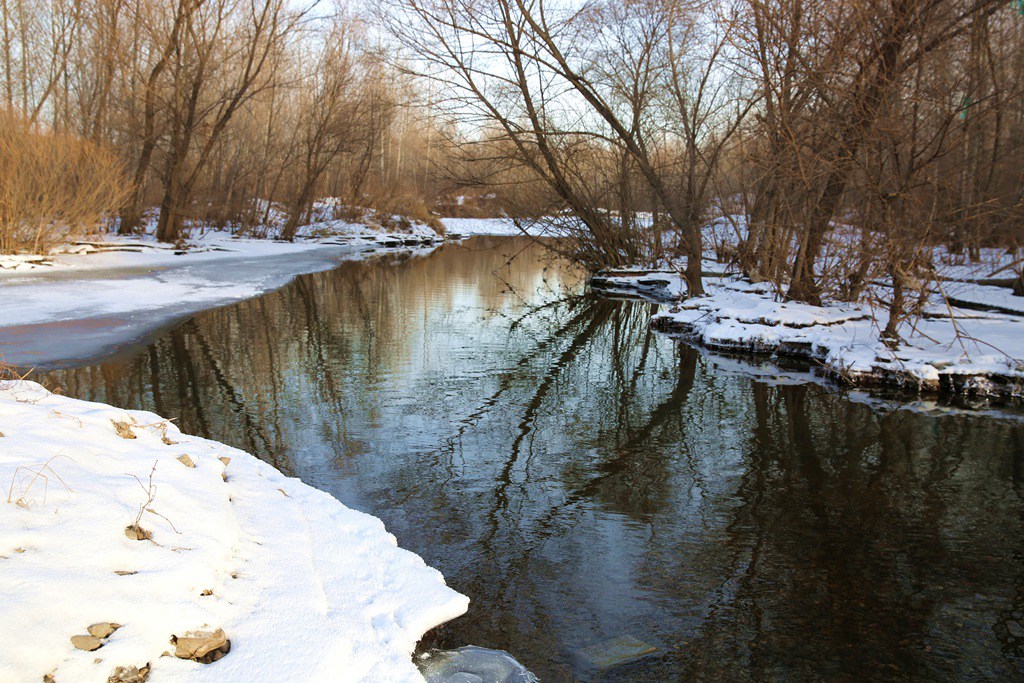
(327, 387)
(534, 310)
(636, 444)
(1009, 623)
(505, 378)
(188, 381)
(510, 288)
(253, 428)
(599, 318)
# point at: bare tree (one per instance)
(328, 119)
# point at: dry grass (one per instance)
(52, 186)
(11, 376)
(134, 530)
(21, 488)
(9, 373)
(407, 208)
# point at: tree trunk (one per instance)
(694, 256)
(168, 228)
(131, 212)
(891, 334)
(303, 203)
(803, 285)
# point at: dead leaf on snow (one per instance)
(124, 430)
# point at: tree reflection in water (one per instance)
(582, 478)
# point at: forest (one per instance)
(837, 143)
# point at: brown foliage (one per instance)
(52, 185)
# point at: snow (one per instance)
(985, 296)
(656, 284)
(985, 358)
(105, 298)
(469, 227)
(971, 342)
(110, 252)
(304, 587)
(991, 263)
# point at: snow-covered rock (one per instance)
(304, 588)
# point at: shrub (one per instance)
(408, 209)
(53, 186)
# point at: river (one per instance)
(583, 479)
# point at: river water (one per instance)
(583, 479)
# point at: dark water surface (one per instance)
(582, 479)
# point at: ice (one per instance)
(473, 664)
(104, 300)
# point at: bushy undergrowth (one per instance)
(53, 186)
(399, 212)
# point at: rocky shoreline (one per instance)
(840, 342)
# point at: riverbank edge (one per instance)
(53, 287)
(822, 356)
(356, 574)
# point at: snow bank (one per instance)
(304, 588)
(105, 297)
(985, 359)
(984, 297)
(111, 252)
(469, 227)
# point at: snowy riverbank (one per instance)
(302, 587)
(497, 227)
(949, 350)
(110, 291)
(114, 291)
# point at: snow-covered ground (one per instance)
(469, 227)
(949, 349)
(969, 340)
(984, 296)
(113, 291)
(109, 251)
(304, 588)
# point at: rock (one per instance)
(225, 459)
(186, 461)
(616, 651)
(201, 646)
(129, 674)
(103, 629)
(137, 533)
(87, 643)
(124, 430)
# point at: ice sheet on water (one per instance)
(473, 664)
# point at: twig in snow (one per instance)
(22, 500)
(134, 530)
